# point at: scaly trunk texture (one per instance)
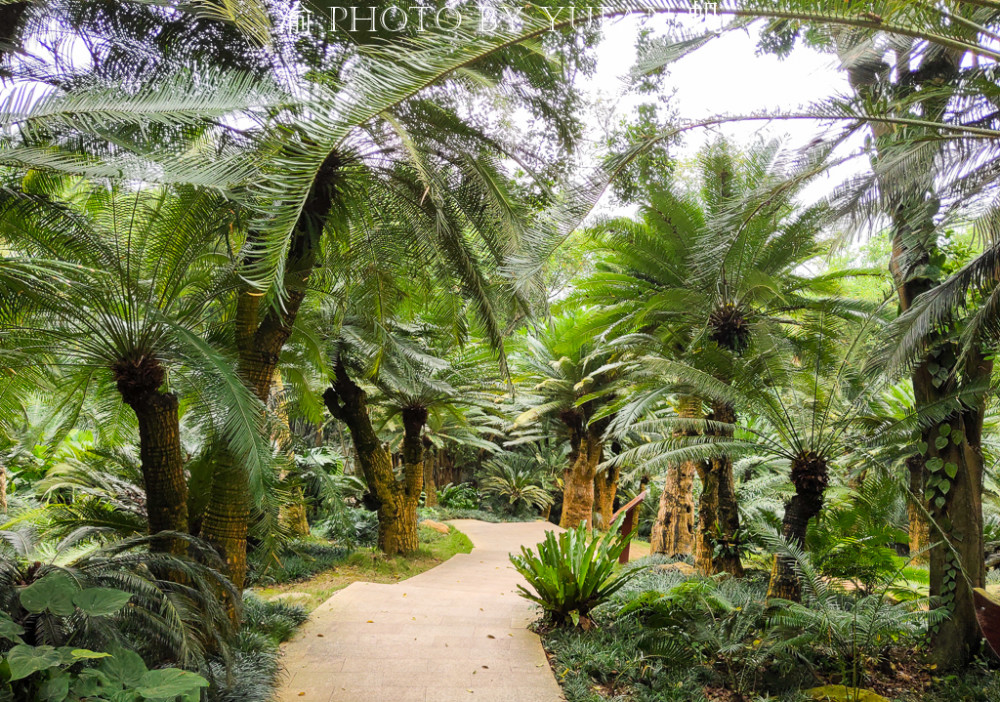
(716, 546)
(913, 206)
(810, 478)
(162, 462)
(430, 487)
(227, 516)
(395, 500)
(605, 490)
(292, 515)
(3, 488)
(919, 527)
(673, 531)
(578, 490)
(259, 342)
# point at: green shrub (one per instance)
(351, 528)
(297, 560)
(571, 573)
(516, 482)
(252, 673)
(66, 672)
(462, 496)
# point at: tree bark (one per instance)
(919, 527)
(3, 488)
(395, 500)
(259, 342)
(810, 477)
(673, 531)
(717, 543)
(605, 490)
(430, 487)
(578, 491)
(226, 522)
(160, 455)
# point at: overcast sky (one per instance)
(728, 77)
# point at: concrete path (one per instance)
(455, 632)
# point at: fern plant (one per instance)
(571, 574)
(854, 632)
(514, 479)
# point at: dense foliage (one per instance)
(272, 291)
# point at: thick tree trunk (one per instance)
(605, 490)
(916, 505)
(957, 563)
(3, 488)
(708, 515)
(395, 500)
(913, 208)
(259, 342)
(810, 477)
(717, 544)
(673, 531)
(578, 487)
(430, 487)
(227, 517)
(160, 455)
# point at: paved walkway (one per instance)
(455, 632)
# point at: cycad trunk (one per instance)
(395, 500)
(605, 490)
(717, 543)
(916, 506)
(956, 565)
(3, 488)
(227, 517)
(673, 531)
(261, 334)
(809, 475)
(430, 487)
(162, 462)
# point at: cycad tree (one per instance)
(122, 287)
(700, 274)
(805, 394)
(572, 377)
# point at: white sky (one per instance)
(728, 77)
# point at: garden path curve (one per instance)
(455, 632)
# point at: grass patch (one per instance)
(368, 565)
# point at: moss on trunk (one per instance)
(717, 543)
(395, 499)
(605, 490)
(430, 464)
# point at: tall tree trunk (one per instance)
(259, 341)
(916, 506)
(430, 487)
(913, 207)
(578, 492)
(292, 514)
(227, 517)
(810, 478)
(717, 544)
(3, 488)
(673, 531)
(160, 455)
(605, 490)
(395, 500)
